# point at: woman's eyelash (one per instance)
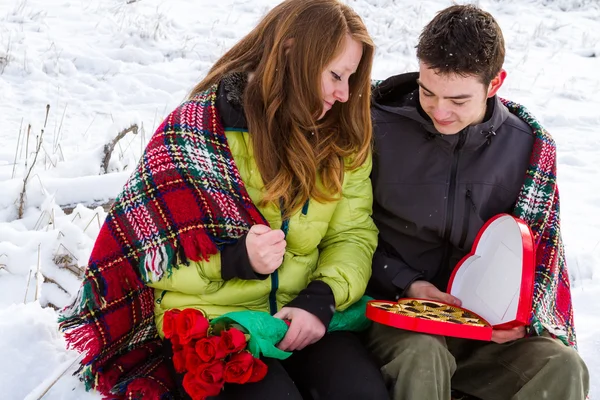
(336, 76)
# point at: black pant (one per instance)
(336, 367)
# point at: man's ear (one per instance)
(496, 83)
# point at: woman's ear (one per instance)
(496, 83)
(287, 45)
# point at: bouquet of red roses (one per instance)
(209, 356)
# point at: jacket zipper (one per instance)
(462, 136)
(285, 226)
(469, 205)
(275, 275)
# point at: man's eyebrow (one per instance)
(459, 97)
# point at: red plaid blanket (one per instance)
(184, 200)
(538, 205)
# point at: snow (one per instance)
(102, 66)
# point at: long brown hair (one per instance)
(299, 157)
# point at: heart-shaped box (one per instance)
(494, 282)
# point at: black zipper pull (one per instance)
(469, 195)
(489, 135)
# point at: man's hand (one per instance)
(426, 290)
(266, 248)
(508, 335)
(305, 329)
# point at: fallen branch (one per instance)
(108, 148)
(42, 389)
(50, 280)
(69, 208)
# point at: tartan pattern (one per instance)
(183, 202)
(538, 205)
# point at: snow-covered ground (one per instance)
(102, 66)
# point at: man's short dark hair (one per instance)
(465, 40)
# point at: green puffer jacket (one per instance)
(333, 242)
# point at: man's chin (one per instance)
(451, 129)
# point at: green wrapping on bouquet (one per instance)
(266, 331)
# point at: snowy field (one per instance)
(103, 66)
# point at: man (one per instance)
(449, 155)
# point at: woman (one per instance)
(262, 177)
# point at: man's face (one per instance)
(453, 102)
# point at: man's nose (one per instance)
(440, 113)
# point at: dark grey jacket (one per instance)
(433, 192)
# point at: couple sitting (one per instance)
(264, 192)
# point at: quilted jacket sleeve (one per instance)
(347, 249)
(198, 278)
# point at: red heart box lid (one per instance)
(494, 282)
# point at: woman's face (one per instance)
(335, 76)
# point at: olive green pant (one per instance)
(417, 366)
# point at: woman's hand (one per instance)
(266, 248)
(426, 290)
(305, 329)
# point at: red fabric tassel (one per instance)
(197, 246)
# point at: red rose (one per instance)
(233, 340)
(169, 323)
(176, 343)
(191, 324)
(239, 368)
(259, 371)
(179, 361)
(209, 349)
(206, 380)
(192, 361)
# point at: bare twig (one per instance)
(22, 141)
(36, 395)
(48, 157)
(17, 151)
(38, 274)
(27, 144)
(62, 156)
(50, 280)
(37, 151)
(40, 220)
(57, 137)
(27, 288)
(88, 128)
(67, 260)
(78, 215)
(108, 148)
(96, 217)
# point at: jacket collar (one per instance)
(400, 95)
(230, 100)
